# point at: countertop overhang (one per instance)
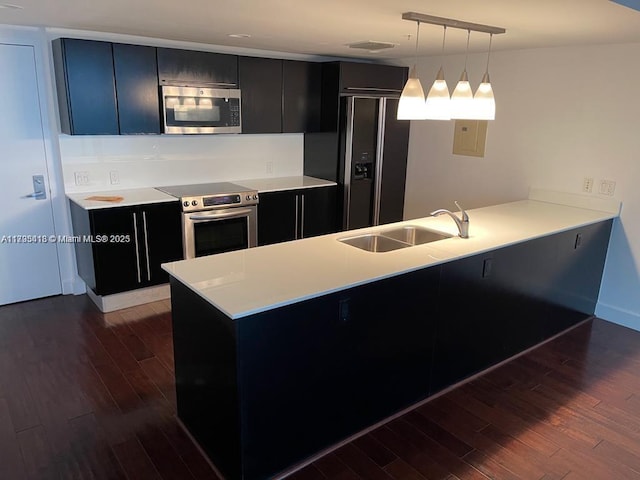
(246, 282)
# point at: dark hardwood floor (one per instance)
(85, 395)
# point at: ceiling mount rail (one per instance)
(450, 22)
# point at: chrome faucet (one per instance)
(463, 224)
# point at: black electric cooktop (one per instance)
(204, 189)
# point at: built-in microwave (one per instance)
(201, 110)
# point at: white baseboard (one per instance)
(626, 318)
(118, 301)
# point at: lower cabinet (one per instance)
(267, 391)
(308, 374)
(495, 305)
(121, 248)
(294, 214)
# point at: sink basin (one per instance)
(415, 235)
(374, 243)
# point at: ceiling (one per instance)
(325, 27)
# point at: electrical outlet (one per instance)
(607, 187)
(587, 184)
(114, 177)
(82, 178)
(269, 167)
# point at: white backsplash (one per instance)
(156, 160)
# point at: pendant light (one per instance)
(485, 103)
(462, 105)
(411, 105)
(438, 104)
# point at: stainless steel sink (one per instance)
(394, 239)
(374, 243)
(414, 235)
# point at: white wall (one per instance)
(562, 114)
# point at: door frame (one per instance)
(36, 37)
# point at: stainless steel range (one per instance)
(216, 217)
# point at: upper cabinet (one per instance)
(279, 95)
(261, 87)
(193, 68)
(137, 88)
(372, 78)
(301, 96)
(105, 88)
(109, 88)
(86, 87)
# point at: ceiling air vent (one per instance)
(372, 46)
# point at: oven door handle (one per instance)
(218, 216)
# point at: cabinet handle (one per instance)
(302, 219)
(373, 89)
(135, 237)
(297, 214)
(146, 243)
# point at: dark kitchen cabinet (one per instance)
(301, 96)
(261, 86)
(352, 358)
(495, 305)
(194, 68)
(85, 86)
(136, 76)
(371, 78)
(293, 214)
(122, 248)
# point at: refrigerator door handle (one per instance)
(382, 108)
(348, 156)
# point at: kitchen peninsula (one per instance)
(285, 350)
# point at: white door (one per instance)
(28, 255)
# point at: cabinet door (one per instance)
(580, 263)
(319, 211)
(372, 78)
(161, 234)
(352, 358)
(190, 67)
(86, 87)
(278, 214)
(468, 335)
(136, 77)
(261, 85)
(301, 96)
(116, 260)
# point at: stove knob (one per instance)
(248, 197)
(186, 203)
(255, 197)
(194, 202)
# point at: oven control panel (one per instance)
(211, 202)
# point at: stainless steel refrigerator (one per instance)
(373, 163)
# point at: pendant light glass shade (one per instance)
(462, 105)
(438, 104)
(411, 104)
(485, 103)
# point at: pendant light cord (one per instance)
(417, 39)
(489, 52)
(466, 53)
(444, 36)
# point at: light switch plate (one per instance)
(470, 137)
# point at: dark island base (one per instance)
(265, 392)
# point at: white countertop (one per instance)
(264, 185)
(134, 196)
(250, 281)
